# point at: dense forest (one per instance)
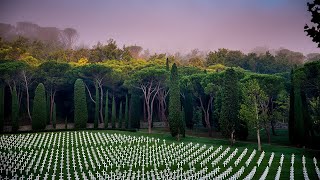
(47, 80)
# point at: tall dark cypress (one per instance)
(39, 115)
(299, 128)
(291, 112)
(113, 113)
(188, 110)
(135, 110)
(230, 105)
(175, 117)
(80, 105)
(15, 110)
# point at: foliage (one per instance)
(188, 110)
(229, 121)
(314, 31)
(39, 114)
(252, 107)
(175, 117)
(135, 109)
(80, 105)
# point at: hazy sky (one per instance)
(173, 25)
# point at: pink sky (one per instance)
(173, 25)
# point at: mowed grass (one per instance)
(215, 143)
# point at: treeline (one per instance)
(35, 45)
(122, 94)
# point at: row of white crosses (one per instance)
(278, 174)
(91, 155)
(304, 169)
(316, 167)
(292, 167)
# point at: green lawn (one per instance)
(72, 150)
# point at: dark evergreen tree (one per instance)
(1, 108)
(120, 116)
(230, 105)
(126, 113)
(80, 105)
(113, 113)
(299, 128)
(188, 108)
(15, 110)
(135, 110)
(291, 113)
(175, 117)
(96, 109)
(106, 113)
(217, 109)
(183, 130)
(54, 116)
(39, 115)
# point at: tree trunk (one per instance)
(232, 138)
(52, 97)
(258, 137)
(272, 120)
(144, 112)
(267, 132)
(101, 104)
(27, 91)
(206, 114)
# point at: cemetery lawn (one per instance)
(110, 153)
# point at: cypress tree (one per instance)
(48, 107)
(1, 108)
(126, 113)
(106, 112)
(298, 117)
(80, 105)
(120, 116)
(175, 117)
(230, 105)
(15, 110)
(135, 110)
(217, 109)
(96, 114)
(188, 110)
(183, 130)
(39, 116)
(291, 112)
(113, 113)
(54, 116)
